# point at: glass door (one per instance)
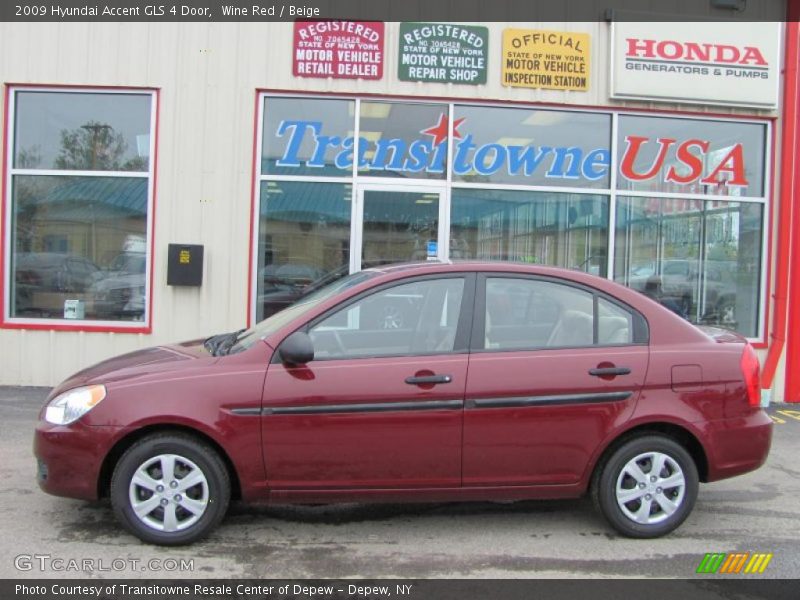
(397, 224)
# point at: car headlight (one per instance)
(72, 405)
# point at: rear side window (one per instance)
(614, 323)
(530, 313)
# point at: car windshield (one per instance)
(270, 325)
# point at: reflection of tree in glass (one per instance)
(26, 191)
(96, 146)
(29, 158)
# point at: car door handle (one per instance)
(606, 371)
(428, 379)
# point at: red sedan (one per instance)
(490, 381)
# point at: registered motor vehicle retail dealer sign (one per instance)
(730, 64)
(554, 60)
(338, 49)
(442, 53)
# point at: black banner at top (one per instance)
(478, 11)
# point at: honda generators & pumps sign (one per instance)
(730, 64)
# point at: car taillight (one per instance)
(752, 379)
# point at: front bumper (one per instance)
(69, 458)
(738, 445)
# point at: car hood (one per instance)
(158, 359)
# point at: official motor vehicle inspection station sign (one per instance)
(554, 60)
(730, 64)
(442, 53)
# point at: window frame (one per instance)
(640, 333)
(6, 210)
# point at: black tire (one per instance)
(610, 472)
(213, 494)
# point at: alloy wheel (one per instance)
(168, 493)
(650, 488)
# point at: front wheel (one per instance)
(170, 489)
(647, 487)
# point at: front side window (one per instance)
(80, 205)
(409, 319)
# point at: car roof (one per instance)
(413, 269)
(458, 266)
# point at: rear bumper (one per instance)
(69, 458)
(737, 445)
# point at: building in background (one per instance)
(658, 156)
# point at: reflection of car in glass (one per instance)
(49, 273)
(679, 281)
(645, 270)
(120, 294)
(280, 291)
(290, 274)
(586, 388)
(285, 284)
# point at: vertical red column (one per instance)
(789, 163)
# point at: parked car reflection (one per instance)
(43, 280)
(286, 284)
(120, 294)
(681, 286)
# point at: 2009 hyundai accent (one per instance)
(489, 381)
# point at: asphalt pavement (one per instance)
(45, 536)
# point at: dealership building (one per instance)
(166, 181)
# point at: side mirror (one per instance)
(297, 349)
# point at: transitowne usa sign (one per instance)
(730, 64)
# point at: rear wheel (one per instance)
(170, 489)
(647, 487)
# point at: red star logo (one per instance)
(439, 131)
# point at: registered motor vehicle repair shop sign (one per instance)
(442, 53)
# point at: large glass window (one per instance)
(691, 156)
(80, 203)
(308, 136)
(82, 131)
(303, 240)
(403, 139)
(701, 259)
(547, 228)
(532, 147)
(687, 196)
(398, 226)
